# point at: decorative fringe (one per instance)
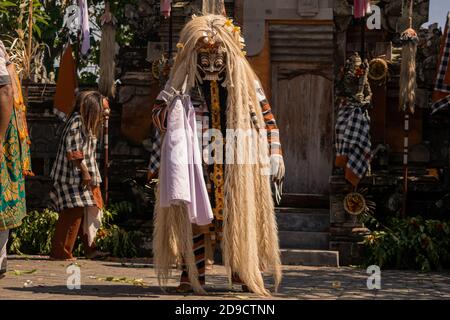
(106, 83)
(250, 243)
(407, 95)
(173, 244)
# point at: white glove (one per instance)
(277, 171)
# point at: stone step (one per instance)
(319, 258)
(303, 219)
(304, 240)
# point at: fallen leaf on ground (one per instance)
(136, 282)
(21, 272)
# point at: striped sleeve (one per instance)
(273, 133)
(159, 113)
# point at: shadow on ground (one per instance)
(124, 291)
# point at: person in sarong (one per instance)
(14, 153)
(76, 193)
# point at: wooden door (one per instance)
(303, 107)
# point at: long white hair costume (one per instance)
(250, 241)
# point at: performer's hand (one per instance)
(106, 108)
(85, 179)
(277, 169)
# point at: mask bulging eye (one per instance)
(204, 60)
(218, 62)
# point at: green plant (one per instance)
(410, 243)
(5, 7)
(119, 242)
(111, 238)
(35, 234)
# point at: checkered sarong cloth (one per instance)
(67, 191)
(353, 140)
(66, 196)
(155, 155)
(444, 69)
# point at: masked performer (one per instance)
(14, 153)
(211, 69)
(76, 179)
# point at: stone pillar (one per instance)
(137, 95)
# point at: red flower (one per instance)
(359, 72)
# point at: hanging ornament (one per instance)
(378, 71)
(356, 204)
(361, 8)
(166, 8)
(409, 41)
(106, 84)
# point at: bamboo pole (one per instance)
(30, 36)
(106, 155)
(29, 49)
(363, 38)
(170, 33)
(406, 138)
(405, 162)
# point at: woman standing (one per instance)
(76, 178)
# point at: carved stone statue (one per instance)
(353, 84)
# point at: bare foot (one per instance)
(245, 288)
(184, 288)
(209, 264)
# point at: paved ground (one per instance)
(38, 278)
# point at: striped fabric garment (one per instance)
(199, 253)
(273, 133)
(441, 94)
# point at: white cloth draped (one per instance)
(84, 23)
(181, 174)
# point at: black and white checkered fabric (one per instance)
(444, 68)
(65, 196)
(353, 138)
(67, 191)
(155, 156)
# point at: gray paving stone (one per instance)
(299, 282)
